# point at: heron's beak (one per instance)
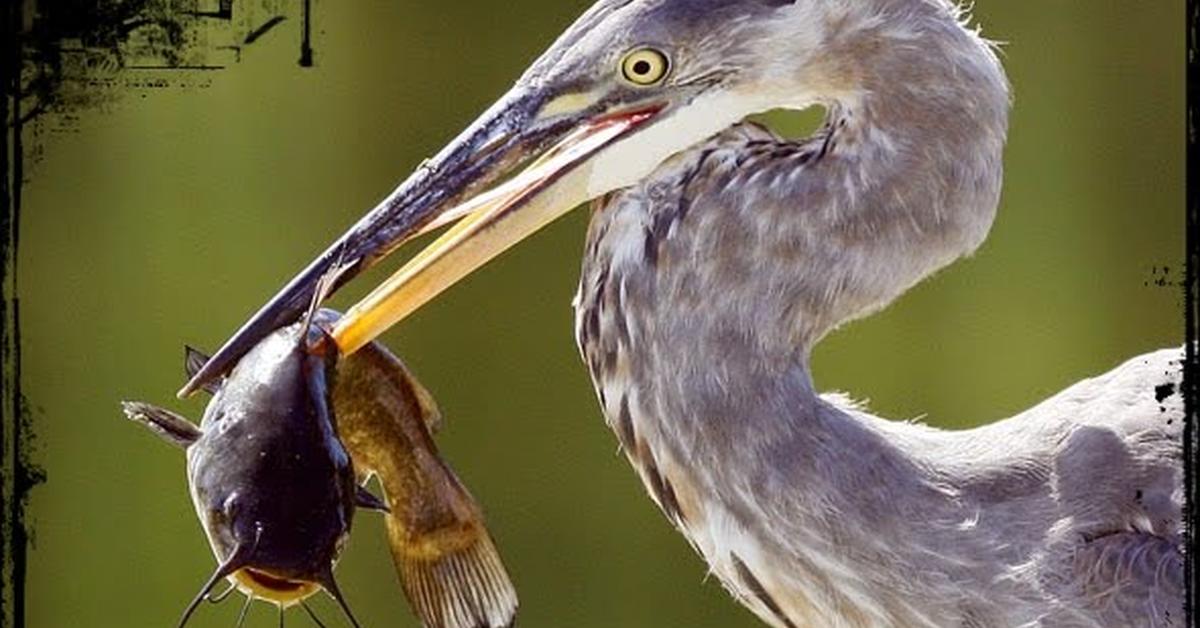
(490, 224)
(508, 134)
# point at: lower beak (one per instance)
(487, 224)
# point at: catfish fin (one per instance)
(463, 587)
(193, 361)
(166, 424)
(366, 499)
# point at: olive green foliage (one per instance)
(167, 219)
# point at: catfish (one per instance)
(277, 468)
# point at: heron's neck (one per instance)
(750, 244)
(706, 285)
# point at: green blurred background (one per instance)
(170, 218)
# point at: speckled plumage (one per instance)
(719, 255)
(706, 284)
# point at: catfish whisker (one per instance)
(220, 597)
(245, 608)
(316, 620)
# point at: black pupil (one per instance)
(641, 68)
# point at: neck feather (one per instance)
(706, 284)
(754, 245)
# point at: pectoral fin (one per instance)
(166, 424)
(366, 499)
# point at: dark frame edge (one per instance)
(1191, 367)
(7, 32)
(18, 473)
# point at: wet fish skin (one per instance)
(279, 462)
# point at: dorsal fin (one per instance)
(194, 360)
(325, 286)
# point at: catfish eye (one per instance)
(645, 66)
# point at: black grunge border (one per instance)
(19, 474)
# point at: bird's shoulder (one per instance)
(1114, 446)
(1142, 395)
(1117, 482)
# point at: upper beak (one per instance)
(506, 135)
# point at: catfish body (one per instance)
(275, 466)
(268, 471)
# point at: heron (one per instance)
(719, 254)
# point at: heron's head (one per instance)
(673, 72)
(629, 84)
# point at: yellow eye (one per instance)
(645, 66)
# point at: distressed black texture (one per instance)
(57, 59)
(18, 474)
(83, 54)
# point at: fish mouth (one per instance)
(556, 153)
(265, 586)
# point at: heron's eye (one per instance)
(645, 66)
